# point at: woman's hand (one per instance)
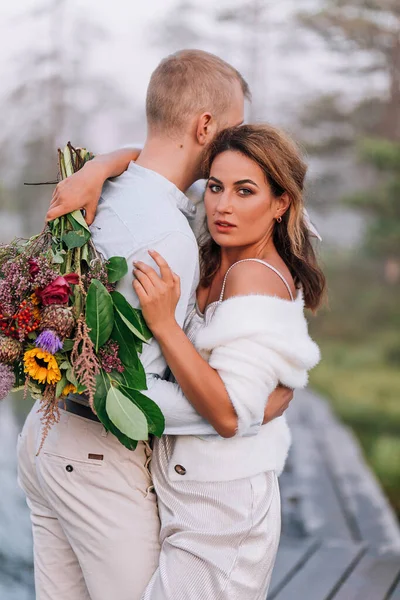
(80, 190)
(158, 296)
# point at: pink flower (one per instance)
(7, 380)
(58, 291)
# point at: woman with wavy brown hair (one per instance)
(218, 495)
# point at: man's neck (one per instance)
(170, 159)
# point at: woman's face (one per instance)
(239, 203)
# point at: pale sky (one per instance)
(125, 55)
(128, 55)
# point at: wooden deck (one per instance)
(341, 539)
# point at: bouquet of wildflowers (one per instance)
(64, 328)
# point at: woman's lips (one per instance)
(224, 226)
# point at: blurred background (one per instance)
(328, 71)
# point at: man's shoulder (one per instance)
(140, 208)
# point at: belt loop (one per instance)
(104, 432)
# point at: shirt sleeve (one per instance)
(181, 253)
(181, 418)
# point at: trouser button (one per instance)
(69, 468)
(180, 470)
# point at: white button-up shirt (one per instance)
(141, 211)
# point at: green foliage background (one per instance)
(360, 372)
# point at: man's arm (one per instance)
(82, 190)
(182, 252)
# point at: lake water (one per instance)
(16, 566)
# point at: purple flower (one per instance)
(48, 340)
(7, 380)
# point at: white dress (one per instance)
(218, 539)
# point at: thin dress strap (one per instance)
(263, 262)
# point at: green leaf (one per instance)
(102, 387)
(123, 336)
(70, 375)
(20, 376)
(85, 254)
(78, 216)
(154, 416)
(57, 257)
(74, 239)
(142, 323)
(65, 365)
(79, 227)
(68, 345)
(135, 377)
(125, 415)
(61, 385)
(132, 377)
(99, 313)
(132, 318)
(117, 267)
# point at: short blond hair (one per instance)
(187, 83)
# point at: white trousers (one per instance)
(219, 539)
(94, 519)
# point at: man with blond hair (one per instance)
(94, 515)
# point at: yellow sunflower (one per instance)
(42, 366)
(69, 389)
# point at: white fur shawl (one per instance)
(254, 342)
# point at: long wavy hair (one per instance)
(280, 159)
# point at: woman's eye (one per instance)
(245, 192)
(215, 188)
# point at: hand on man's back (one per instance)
(277, 403)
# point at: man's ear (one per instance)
(282, 204)
(206, 129)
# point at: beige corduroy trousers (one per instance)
(94, 517)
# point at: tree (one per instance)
(382, 204)
(53, 100)
(334, 125)
(239, 30)
(369, 31)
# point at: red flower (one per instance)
(58, 291)
(72, 278)
(33, 267)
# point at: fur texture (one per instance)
(254, 342)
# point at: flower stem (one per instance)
(77, 290)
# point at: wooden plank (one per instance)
(372, 578)
(395, 592)
(366, 510)
(319, 508)
(321, 575)
(292, 555)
